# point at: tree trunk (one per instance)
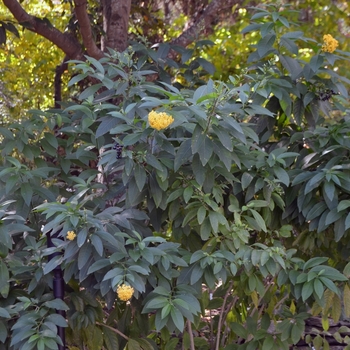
(115, 24)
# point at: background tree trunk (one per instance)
(115, 24)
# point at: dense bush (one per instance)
(220, 208)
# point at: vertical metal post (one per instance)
(58, 289)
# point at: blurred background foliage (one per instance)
(28, 61)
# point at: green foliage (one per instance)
(230, 52)
(27, 61)
(202, 218)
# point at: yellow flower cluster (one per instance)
(159, 121)
(330, 44)
(71, 235)
(125, 292)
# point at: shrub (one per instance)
(186, 201)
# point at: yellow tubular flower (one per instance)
(159, 121)
(125, 292)
(330, 44)
(71, 235)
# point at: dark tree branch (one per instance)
(65, 41)
(85, 29)
(58, 82)
(205, 21)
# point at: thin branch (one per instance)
(221, 315)
(281, 302)
(114, 330)
(228, 308)
(211, 340)
(85, 29)
(65, 41)
(190, 333)
(256, 308)
(58, 81)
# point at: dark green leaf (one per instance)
(57, 319)
(333, 216)
(110, 339)
(205, 229)
(318, 288)
(316, 62)
(296, 333)
(329, 190)
(329, 284)
(347, 222)
(289, 45)
(131, 139)
(268, 343)
(84, 255)
(112, 273)
(140, 176)
(209, 67)
(201, 214)
(238, 329)
(316, 211)
(3, 332)
(52, 264)
(76, 79)
(314, 182)
(187, 194)
(282, 175)
(183, 153)
(174, 195)
(224, 137)
(26, 192)
(251, 27)
(339, 229)
(177, 318)
(199, 170)
(344, 204)
(97, 244)
(266, 44)
(259, 220)
(205, 150)
(96, 63)
(314, 262)
(246, 179)
(4, 280)
(307, 290)
(133, 345)
(57, 304)
(107, 124)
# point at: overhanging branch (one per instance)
(65, 41)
